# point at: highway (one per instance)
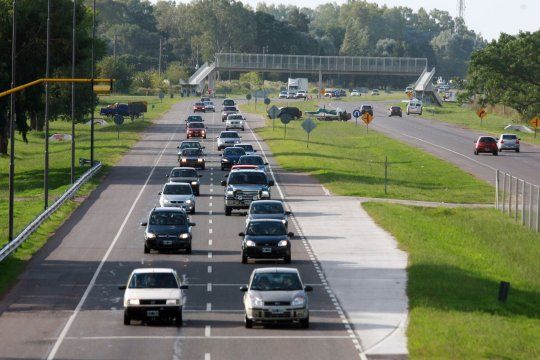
(66, 304)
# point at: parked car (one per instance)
(248, 148)
(266, 239)
(177, 195)
(293, 111)
(375, 92)
(244, 186)
(508, 142)
(186, 175)
(228, 138)
(235, 121)
(486, 144)
(199, 107)
(167, 229)
(192, 157)
(132, 109)
(365, 108)
(228, 110)
(268, 209)
(282, 95)
(395, 111)
(356, 93)
(230, 157)
(228, 102)
(209, 106)
(256, 160)
(153, 294)
(276, 295)
(196, 129)
(414, 107)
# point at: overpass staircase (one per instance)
(424, 88)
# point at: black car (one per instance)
(186, 175)
(230, 157)
(293, 111)
(194, 118)
(266, 239)
(192, 157)
(366, 109)
(167, 229)
(395, 111)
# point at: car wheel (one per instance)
(420, 114)
(188, 249)
(517, 150)
(228, 211)
(244, 258)
(304, 323)
(287, 259)
(495, 153)
(178, 319)
(204, 137)
(248, 322)
(197, 193)
(242, 129)
(407, 113)
(203, 167)
(192, 211)
(222, 168)
(127, 319)
(146, 249)
(475, 152)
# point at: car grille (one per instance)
(152, 302)
(176, 202)
(169, 236)
(269, 314)
(277, 303)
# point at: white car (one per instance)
(355, 93)
(209, 106)
(153, 294)
(283, 95)
(375, 92)
(177, 195)
(248, 148)
(301, 94)
(276, 295)
(228, 138)
(508, 142)
(291, 95)
(235, 121)
(414, 107)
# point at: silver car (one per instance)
(177, 195)
(276, 295)
(235, 121)
(228, 138)
(256, 160)
(268, 209)
(209, 106)
(508, 142)
(248, 148)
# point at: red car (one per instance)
(486, 144)
(195, 129)
(244, 167)
(199, 107)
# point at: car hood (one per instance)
(278, 295)
(177, 197)
(247, 187)
(267, 238)
(167, 229)
(229, 139)
(191, 157)
(232, 157)
(153, 294)
(267, 216)
(183, 179)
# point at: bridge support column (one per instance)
(320, 84)
(212, 81)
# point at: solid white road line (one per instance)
(67, 326)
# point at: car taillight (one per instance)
(517, 141)
(502, 141)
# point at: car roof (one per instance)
(267, 202)
(195, 122)
(243, 144)
(244, 167)
(252, 170)
(183, 168)
(276, 270)
(266, 220)
(177, 183)
(168, 209)
(228, 132)
(153, 270)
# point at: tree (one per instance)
(176, 72)
(356, 40)
(506, 72)
(117, 69)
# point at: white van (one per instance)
(414, 107)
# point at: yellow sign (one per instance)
(535, 122)
(367, 118)
(409, 94)
(103, 89)
(481, 113)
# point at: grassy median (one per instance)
(29, 175)
(349, 161)
(457, 257)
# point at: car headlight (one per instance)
(184, 159)
(150, 235)
(173, 302)
(183, 236)
(255, 301)
(224, 160)
(298, 301)
(283, 243)
(188, 201)
(133, 302)
(250, 243)
(199, 160)
(230, 193)
(193, 183)
(265, 194)
(283, 221)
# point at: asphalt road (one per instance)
(452, 143)
(66, 304)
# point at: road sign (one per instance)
(102, 89)
(285, 118)
(248, 97)
(481, 113)
(367, 118)
(266, 101)
(410, 94)
(118, 119)
(273, 112)
(308, 125)
(356, 113)
(535, 122)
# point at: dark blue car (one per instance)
(230, 157)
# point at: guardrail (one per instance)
(10, 247)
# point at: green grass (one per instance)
(350, 162)
(29, 175)
(457, 257)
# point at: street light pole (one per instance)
(73, 92)
(159, 58)
(47, 74)
(12, 124)
(92, 84)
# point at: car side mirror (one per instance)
(254, 150)
(123, 287)
(166, 176)
(308, 288)
(192, 224)
(223, 183)
(159, 193)
(271, 183)
(519, 138)
(144, 224)
(243, 288)
(184, 287)
(241, 234)
(291, 235)
(204, 147)
(199, 176)
(265, 163)
(287, 213)
(178, 147)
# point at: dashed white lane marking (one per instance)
(209, 269)
(240, 337)
(209, 287)
(210, 204)
(210, 231)
(211, 197)
(210, 242)
(207, 331)
(208, 306)
(326, 192)
(209, 254)
(211, 190)
(207, 356)
(209, 221)
(67, 326)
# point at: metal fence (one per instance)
(325, 64)
(11, 246)
(519, 199)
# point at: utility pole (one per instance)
(159, 65)
(47, 73)
(92, 83)
(12, 123)
(74, 24)
(114, 48)
(461, 8)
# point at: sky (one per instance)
(488, 17)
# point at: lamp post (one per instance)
(92, 83)
(12, 124)
(47, 73)
(73, 92)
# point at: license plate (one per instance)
(255, 197)
(240, 197)
(152, 313)
(267, 250)
(276, 311)
(167, 242)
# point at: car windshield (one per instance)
(266, 208)
(196, 125)
(234, 151)
(235, 117)
(245, 178)
(266, 228)
(191, 152)
(229, 135)
(167, 218)
(245, 147)
(191, 173)
(276, 282)
(153, 281)
(228, 102)
(199, 104)
(194, 118)
(177, 189)
(509, 137)
(229, 108)
(251, 160)
(366, 107)
(185, 145)
(208, 103)
(487, 140)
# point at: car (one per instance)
(276, 295)
(189, 144)
(186, 175)
(194, 118)
(486, 144)
(205, 99)
(342, 93)
(244, 167)
(293, 111)
(153, 294)
(230, 157)
(268, 209)
(395, 111)
(282, 95)
(192, 157)
(266, 239)
(248, 148)
(301, 94)
(329, 92)
(167, 229)
(414, 107)
(253, 160)
(228, 110)
(355, 93)
(228, 102)
(228, 138)
(196, 129)
(409, 89)
(508, 142)
(235, 121)
(209, 106)
(291, 95)
(366, 109)
(199, 107)
(177, 195)
(244, 186)
(375, 92)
